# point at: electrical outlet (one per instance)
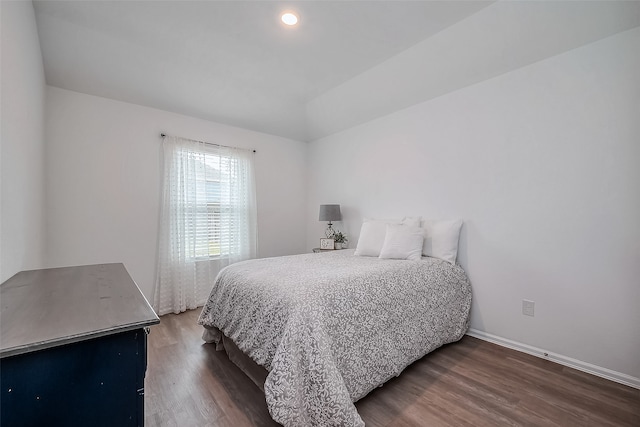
(528, 307)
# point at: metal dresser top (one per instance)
(56, 306)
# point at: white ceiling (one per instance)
(233, 62)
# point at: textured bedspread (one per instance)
(331, 327)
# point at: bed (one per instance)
(328, 328)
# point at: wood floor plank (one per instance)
(468, 383)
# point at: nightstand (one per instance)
(318, 250)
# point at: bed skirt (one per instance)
(257, 374)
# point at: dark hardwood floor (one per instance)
(469, 383)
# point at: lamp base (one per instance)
(329, 232)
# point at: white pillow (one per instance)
(372, 234)
(402, 242)
(441, 239)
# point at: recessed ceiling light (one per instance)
(289, 18)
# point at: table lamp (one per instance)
(329, 213)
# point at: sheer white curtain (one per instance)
(207, 221)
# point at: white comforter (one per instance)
(331, 327)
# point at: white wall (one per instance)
(104, 182)
(542, 165)
(22, 148)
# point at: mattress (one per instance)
(330, 327)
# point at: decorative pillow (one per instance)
(372, 234)
(441, 239)
(402, 242)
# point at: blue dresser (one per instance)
(73, 347)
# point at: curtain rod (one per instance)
(217, 145)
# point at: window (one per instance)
(207, 220)
(211, 207)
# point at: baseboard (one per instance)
(558, 358)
